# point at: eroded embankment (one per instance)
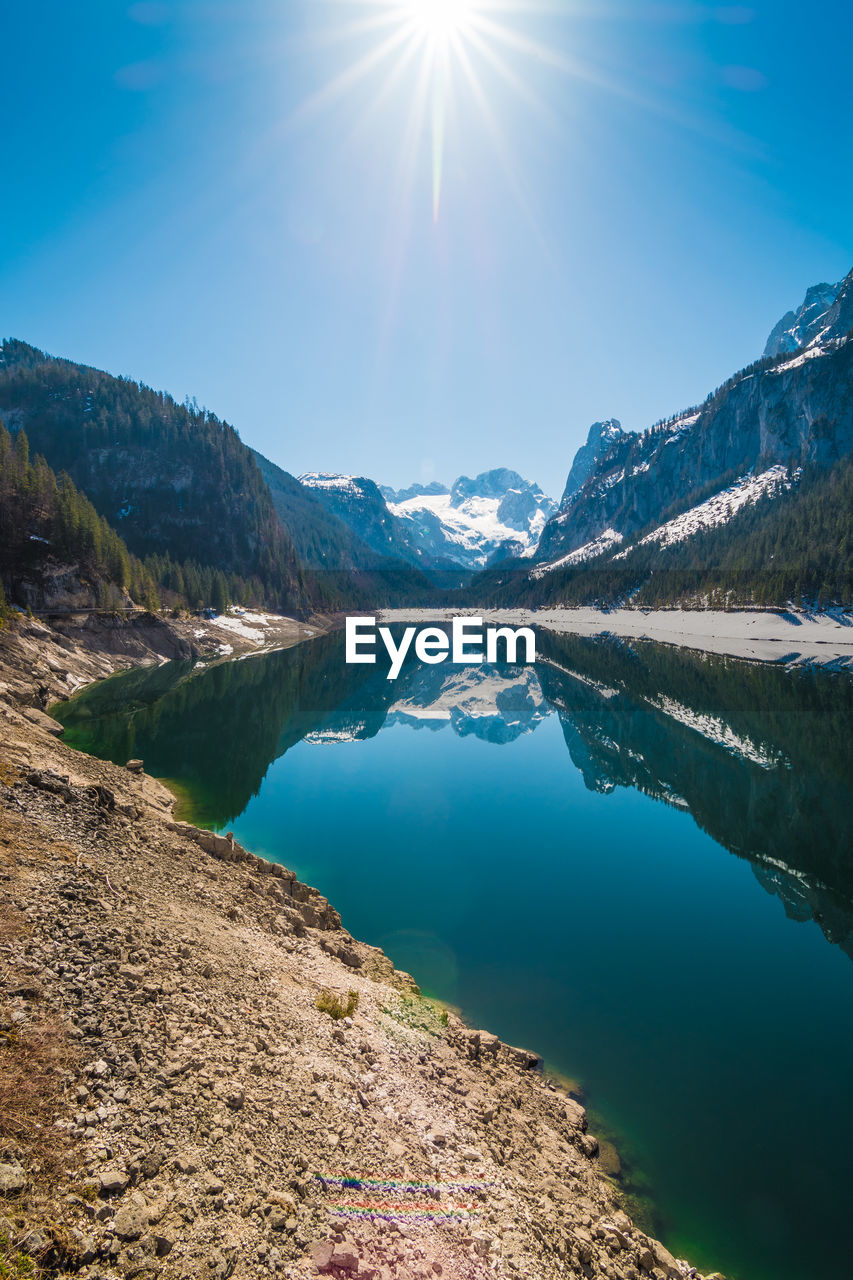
(199, 1115)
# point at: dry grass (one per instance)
(35, 1054)
(335, 1006)
(33, 1060)
(9, 775)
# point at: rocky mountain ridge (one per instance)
(797, 329)
(787, 410)
(478, 521)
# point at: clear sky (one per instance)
(411, 240)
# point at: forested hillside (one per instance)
(49, 530)
(173, 479)
(794, 546)
(339, 567)
(56, 552)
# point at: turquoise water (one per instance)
(634, 861)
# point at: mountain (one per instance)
(413, 491)
(357, 503)
(798, 328)
(173, 480)
(779, 432)
(213, 519)
(342, 568)
(600, 438)
(477, 522)
(56, 552)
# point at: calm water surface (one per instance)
(637, 861)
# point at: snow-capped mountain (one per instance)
(357, 502)
(601, 436)
(479, 521)
(798, 328)
(413, 491)
(749, 440)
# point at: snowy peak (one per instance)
(600, 438)
(334, 482)
(488, 484)
(413, 491)
(481, 520)
(478, 521)
(812, 320)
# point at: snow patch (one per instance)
(813, 351)
(329, 480)
(248, 624)
(473, 526)
(609, 538)
(719, 509)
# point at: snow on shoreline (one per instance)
(769, 636)
(252, 627)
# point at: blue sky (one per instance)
(630, 195)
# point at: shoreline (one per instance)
(790, 636)
(211, 1104)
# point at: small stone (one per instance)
(12, 1180)
(345, 1260)
(130, 1222)
(164, 1242)
(321, 1255)
(113, 1182)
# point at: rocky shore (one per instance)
(204, 1074)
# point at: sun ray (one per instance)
(442, 37)
(497, 140)
(386, 89)
(349, 78)
(515, 82)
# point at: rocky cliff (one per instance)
(791, 410)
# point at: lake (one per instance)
(635, 860)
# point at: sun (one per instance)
(439, 20)
(450, 53)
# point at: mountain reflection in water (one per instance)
(762, 757)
